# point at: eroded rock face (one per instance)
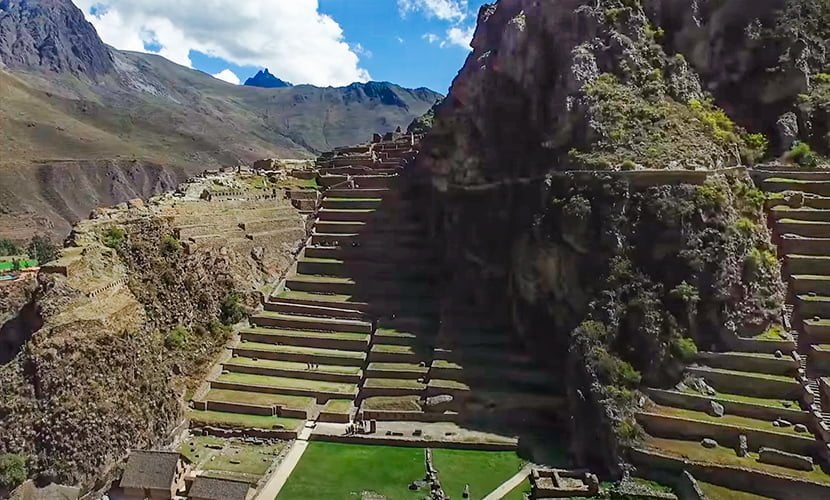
(611, 283)
(52, 35)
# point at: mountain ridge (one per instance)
(264, 79)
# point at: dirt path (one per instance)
(278, 479)
(509, 485)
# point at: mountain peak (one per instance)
(266, 80)
(51, 35)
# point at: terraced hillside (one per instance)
(754, 418)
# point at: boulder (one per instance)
(782, 423)
(743, 447)
(787, 128)
(709, 443)
(800, 428)
(716, 409)
(438, 403)
(784, 459)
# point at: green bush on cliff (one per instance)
(712, 195)
(114, 237)
(8, 248)
(14, 470)
(42, 249)
(232, 311)
(802, 154)
(176, 338)
(684, 349)
(170, 245)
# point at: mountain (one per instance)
(85, 125)
(264, 79)
(52, 35)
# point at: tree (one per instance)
(43, 249)
(8, 248)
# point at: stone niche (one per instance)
(560, 483)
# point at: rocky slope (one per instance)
(124, 325)
(74, 109)
(615, 281)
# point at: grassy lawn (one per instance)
(392, 349)
(398, 367)
(449, 384)
(338, 406)
(773, 403)
(344, 472)
(484, 471)
(715, 492)
(240, 420)
(311, 351)
(231, 459)
(288, 383)
(302, 334)
(380, 383)
(692, 450)
(393, 403)
(257, 398)
(520, 492)
(292, 366)
(733, 420)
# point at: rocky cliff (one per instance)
(575, 126)
(125, 322)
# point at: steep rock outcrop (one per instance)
(264, 79)
(51, 35)
(613, 279)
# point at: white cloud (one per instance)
(460, 36)
(445, 10)
(400, 40)
(227, 75)
(290, 37)
(431, 37)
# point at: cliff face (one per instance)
(51, 35)
(616, 281)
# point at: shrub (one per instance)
(760, 260)
(14, 470)
(746, 227)
(232, 311)
(686, 292)
(629, 431)
(42, 249)
(216, 328)
(114, 237)
(684, 349)
(755, 148)
(170, 245)
(8, 247)
(176, 338)
(711, 195)
(721, 127)
(615, 370)
(802, 154)
(628, 165)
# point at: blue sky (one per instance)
(414, 43)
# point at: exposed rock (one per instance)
(743, 447)
(800, 428)
(785, 459)
(716, 409)
(787, 126)
(709, 443)
(266, 80)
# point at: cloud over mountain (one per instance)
(291, 37)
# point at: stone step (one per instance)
(390, 353)
(257, 403)
(259, 226)
(806, 264)
(801, 284)
(749, 383)
(799, 245)
(355, 240)
(803, 228)
(750, 362)
(805, 214)
(321, 391)
(300, 308)
(323, 340)
(763, 409)
(377, 305)
(374, 387)
(257, 351)
(271, 368)
(817, 330)
(370, 228)
(675, 423)
(373, 253)
(352, 204)
(366, 288)
(397, 370)
(810, 306)
(290, 322)
(359, 193)
(779, 184)
(362, 270)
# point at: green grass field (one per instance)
(343, 472)
(484, 471)
(231, 459)
(520, 492)
(240, 420)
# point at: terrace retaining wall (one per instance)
(703, 403)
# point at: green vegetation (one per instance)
(393, 403)
(295, 383)
(14, 469)
(761, 261)
(114, 237)
(685, 349)
(170, 245)
(393, 383)
(232, 311)
(734, 420)
(240, 420)
(177, 338)
(484, 471)
(520, 492)
(715, 492)
(42, 249)
(773, 332)
(340, 406)
(8, 248)
(229, 458)
(343, 472)
(259, 398)
(802, 154)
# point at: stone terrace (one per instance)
(355, 330)
(753, 418)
